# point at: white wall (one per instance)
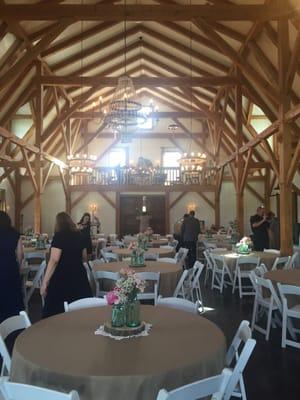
(9, 197)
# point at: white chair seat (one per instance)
(168, 259)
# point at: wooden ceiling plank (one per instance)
(138, 12)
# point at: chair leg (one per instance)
(234, 281)
(240, 284)
(213, 278)
(255, 305)
(222, 281)
(269, 321)
(283, 334)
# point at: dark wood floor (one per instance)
(272, 373)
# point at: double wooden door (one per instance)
(131, 208)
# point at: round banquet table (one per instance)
(231, 257)
(159, 242)
(169, 273)
(162, 252)
(63, 353)
(286, 277)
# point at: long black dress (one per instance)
(69, 281)
(86, 234)
(11, 298)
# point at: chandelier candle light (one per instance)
(81, 164)
(192, 162)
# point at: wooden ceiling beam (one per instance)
(108, 81)
(139, 12)
(155, 115)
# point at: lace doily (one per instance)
(102, 332)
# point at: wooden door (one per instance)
(130, 208)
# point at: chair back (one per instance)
(272, 251)
(20, 391)
(251, 261)
(99, 275)
(242, 334)
(181, 255)
(88, 302)
(267, 284)
(239, 368)
(37, 280)
(179, 288)
(208, 259)
(292, 262)
(7, 327)
(281, 263)
(215, 386)
(218, 261)
(152, 277)
(108, 256)
(151, 256)
(178, 304)
(287, 290)
(197, 269)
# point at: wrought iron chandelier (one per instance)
(192, 162)
(81, 164)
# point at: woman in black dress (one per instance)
(65, 278)
(11, 256)
(85, 228)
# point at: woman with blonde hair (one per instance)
(65, 278)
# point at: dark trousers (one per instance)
(192, 247)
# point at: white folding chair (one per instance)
(99, 276)
(244, 265)
(108, 256)
(7, 327)
(30, 286)
(281, 263)
(292, 262)
(195, 283)
(33, 259)
(152, 277)
(149, 256)
(179, 257)
(243, 333)
(237, 371)
(179, 304)
(179, 290)
(272, 251)
(209, 265)
(198, 390)
(269, 304)
(20, 391)
(88, 302)
(220, 271)
(288, 313)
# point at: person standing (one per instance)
(190, 230)
(11, 257)
(177, 231)
(274, 231)
(260, 225)
(65, 278)
(85, 228)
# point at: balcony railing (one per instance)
(130, 177)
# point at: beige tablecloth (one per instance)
(169, 273)
(63, 353)
(162, 252)
(286, 277)
(231, 257)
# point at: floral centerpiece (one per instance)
(142, 241)
(244, 245)
(123, 298)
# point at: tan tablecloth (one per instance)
(286, 277)
(169, 273)
(159, 242)
(160, 251)
(231, 257)
(63, 353)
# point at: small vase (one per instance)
(133, 313)
(118, 315)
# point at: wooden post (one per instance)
(17, 199)
(267, 190)
(118, 213)
(38, 157)
(167, 212)
(284, 140)
(219, 180)
(239, 158)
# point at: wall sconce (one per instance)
(191, 207)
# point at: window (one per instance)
(117, 157)
(170, 158)
(148, 124)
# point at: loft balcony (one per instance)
(151, 179)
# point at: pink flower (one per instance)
(112, 298)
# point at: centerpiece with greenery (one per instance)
(244, 246)
(123, 298)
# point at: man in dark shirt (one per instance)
(259, 226)
(190, 230)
